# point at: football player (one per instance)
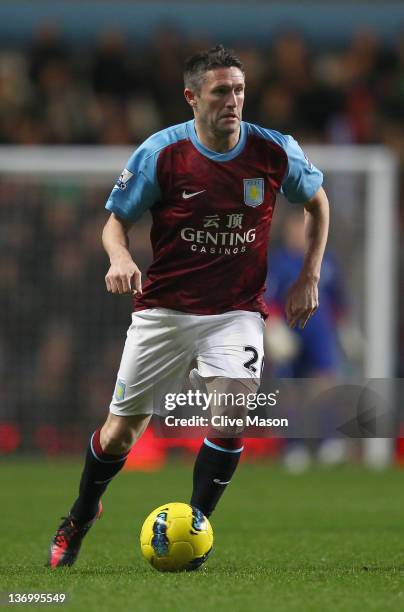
(210, 185)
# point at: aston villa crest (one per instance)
(120, 390)
(253, 191)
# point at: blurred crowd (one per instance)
(118, 93)
(61, 327)
(62, 333)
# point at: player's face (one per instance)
(219, 103)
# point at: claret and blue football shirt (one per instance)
(211, 214)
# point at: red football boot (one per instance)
(66, 543)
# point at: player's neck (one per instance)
(221, 143)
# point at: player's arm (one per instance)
(302, 300)
(123, 275)
(135, 191)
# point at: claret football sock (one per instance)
(99, 469)
(214, 467)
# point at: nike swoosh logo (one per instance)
(221, 482)
(186, 195)
(102, 481)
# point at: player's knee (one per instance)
(119, 434)
(117, 445)
(228, 426)
(117, 441)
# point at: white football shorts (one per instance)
(163, 345)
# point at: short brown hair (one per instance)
(198, 64)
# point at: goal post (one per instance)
(380, 169)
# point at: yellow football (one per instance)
(176, 537)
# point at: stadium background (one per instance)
(93, 73)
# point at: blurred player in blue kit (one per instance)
(210, 185)
(316, 349)
(312, 351)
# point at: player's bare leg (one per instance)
(119, 433)
(106, 456)
(220, 452)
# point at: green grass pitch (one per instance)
(325, 540)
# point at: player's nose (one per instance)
(232, 97)
(231, 101)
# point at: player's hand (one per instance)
(302, 301)
(124, 277)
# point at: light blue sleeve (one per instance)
(302, 179)
(136, 189)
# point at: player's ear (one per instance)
(190, 97)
